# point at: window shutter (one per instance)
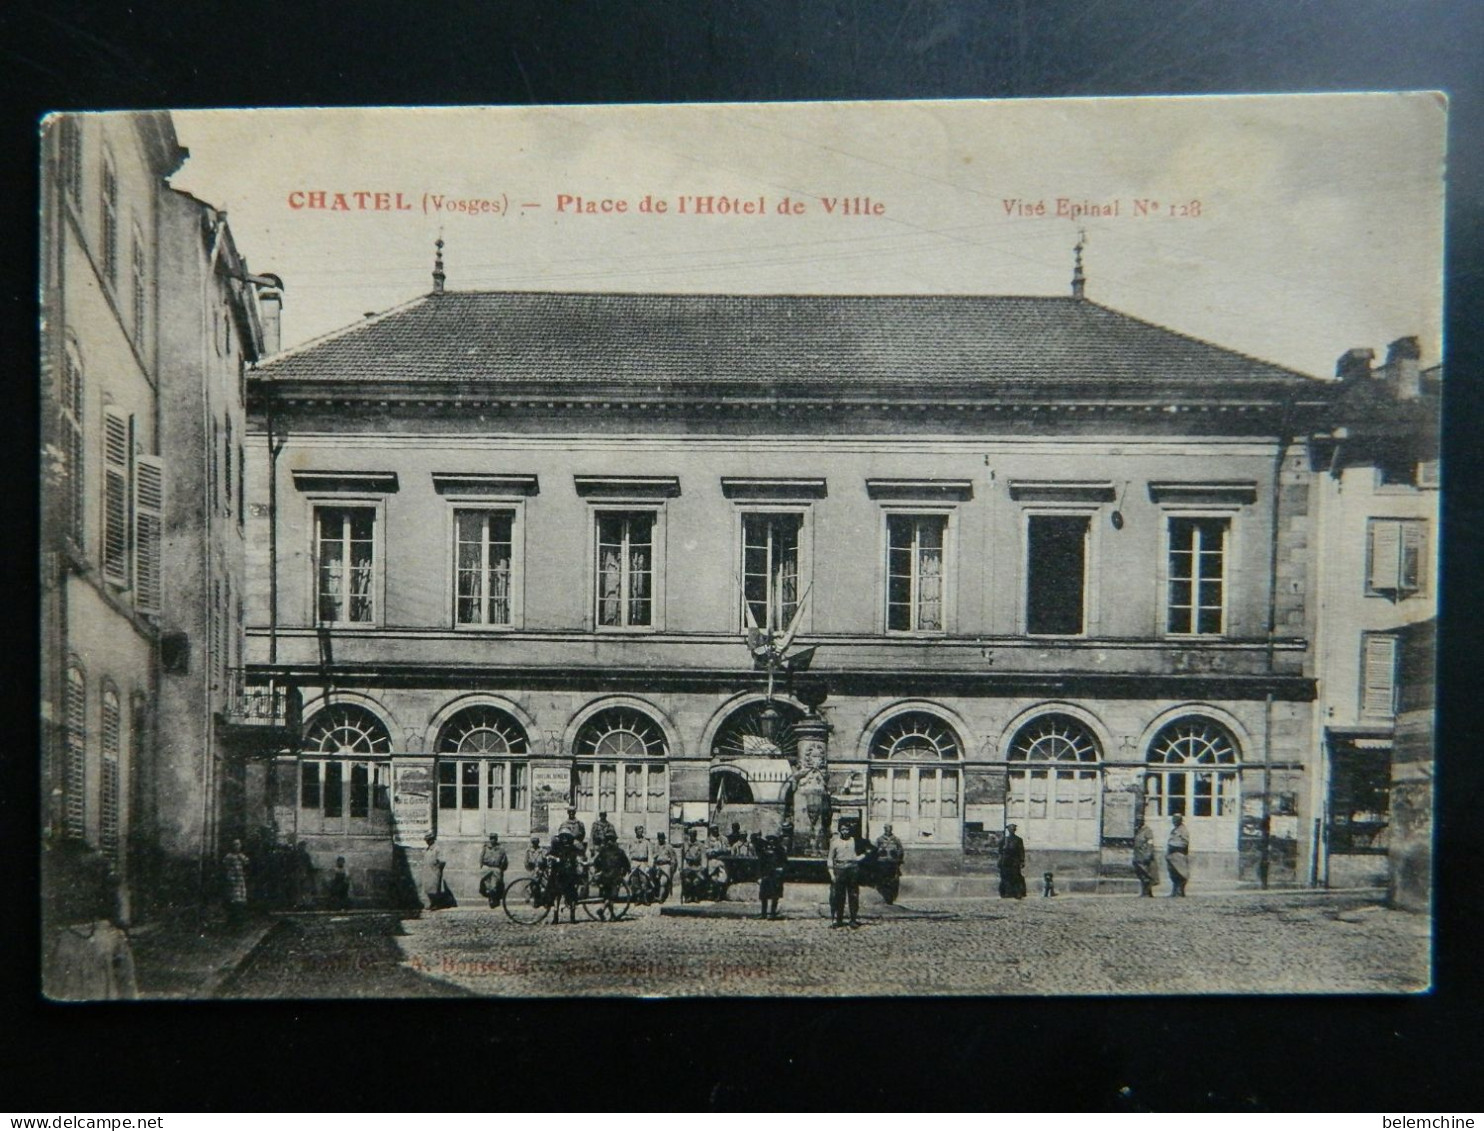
(1385, 555)
(1414, 537)
(1378, 693)
(116, 496)
(149, 526)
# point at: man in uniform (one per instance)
(845, 886)
(772, 860)
(602, 830)
(1012, 865)
(664, 863)
(716, 848)
(563, 865)
(610, 867)
(736, 836)
(493, 860)
(1144, 867)
(692, 865)
(890, 852)
(575, 827)
(1177, 855)
(534, 855)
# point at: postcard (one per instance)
(836, 549)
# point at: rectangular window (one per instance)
(149, 525)
(915, 572)
(110, 223)
(468, 785)
(1378, 675)
(495, 797)
(334, 789)
(1395, 555)
(360, 789)
(483, 572)
(72, 443)
(1056, 574)
(117, 430)
(519, 795)
(309, 791)
(1197, 576)
(345, 564)
(659, 792)
(770, 568)
(71, 144)
(625, 569)
(139, 290)
(227, 465)
(448, 785)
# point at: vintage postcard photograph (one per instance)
(816, 549)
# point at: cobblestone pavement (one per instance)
(1250, 943)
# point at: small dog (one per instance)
(1048, 885)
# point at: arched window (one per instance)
(482, 773)
(108, 807)
(917, 795)
(620, 769)
(1185, 776)
(1053, 783)
(749, 733)
(75, 741)
(344, 772)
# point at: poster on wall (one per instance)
(551, 793)
(412, 802)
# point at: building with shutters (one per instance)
(139, 284)
(1377, 481)
(1051, 564)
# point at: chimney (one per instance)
(1355, 365)
(1404, 368)
(438, 275)
(270, 308)
(1079, 278)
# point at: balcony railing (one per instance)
(254, 701)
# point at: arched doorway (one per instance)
(916, 780)
(1054, 783)
(1193, 771)
(482, 774)
(621, 770)
(344, 773)
(751, 767)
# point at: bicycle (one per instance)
(528, 901)
(649, 885)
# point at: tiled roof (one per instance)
(658, 340)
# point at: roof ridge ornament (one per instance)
(438, 275)
(1079, 278)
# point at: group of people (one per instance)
(1177, 861)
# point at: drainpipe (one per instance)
(1275, 500)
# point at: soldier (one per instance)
(1144, 859)
(692, 865)
(563, 869)
(534, 855)
(664, 865)
(602, 830)
(575, 827)
(1177, 855)
(610, 866)
(494, 860)
(890, 853)
(736, 836)
(639, 852)
(772, 860)
(716, 868)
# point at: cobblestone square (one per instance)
(1273, 943)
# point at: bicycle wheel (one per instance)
(622, 897)
(521, 903)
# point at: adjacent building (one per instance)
(1377, 477)
(1035, 561)
(142, 297)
